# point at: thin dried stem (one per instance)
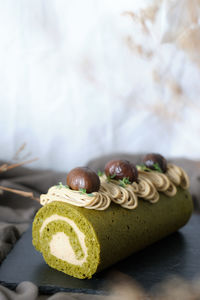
(21, 148)
(6, 167)
(21, 193)
(3, 167)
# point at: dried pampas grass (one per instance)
(6, 167)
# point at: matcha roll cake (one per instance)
(95, 221)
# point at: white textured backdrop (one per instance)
(79, 79)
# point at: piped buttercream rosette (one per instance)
(147, 187)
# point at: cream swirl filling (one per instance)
(60, 245)
(148, 187)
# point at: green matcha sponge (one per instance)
(81, 242)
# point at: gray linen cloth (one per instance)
(17, 212)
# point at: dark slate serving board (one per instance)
(178, 254)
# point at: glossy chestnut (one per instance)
(83, 178)
(119, 169)
(154, 158)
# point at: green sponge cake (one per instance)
(81, 231)
(66, 239)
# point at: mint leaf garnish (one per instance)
(156, 167)
(111, 177)
(83, 191)
(124, 181)
(142, 167)
(60, 186)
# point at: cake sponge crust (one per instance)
(42, 240)
(113, 234)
